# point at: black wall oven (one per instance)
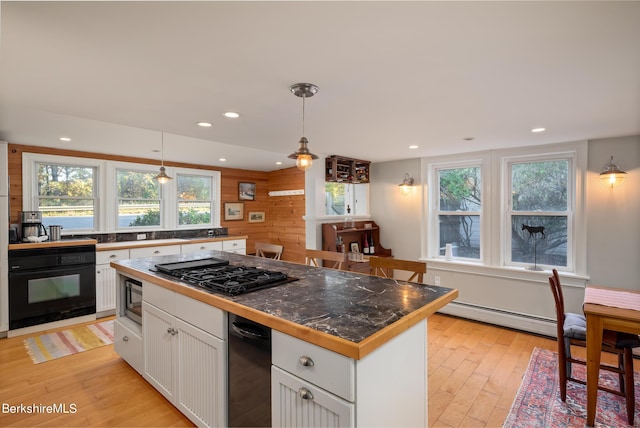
(51, 284)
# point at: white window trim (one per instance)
(30, 185)
(215, 197)
(493, 196)
(105, 220)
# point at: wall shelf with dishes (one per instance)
(341, 169)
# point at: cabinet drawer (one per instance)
(234, 244)
(330, 371)
(203, 246)
(201, 315)
(128, 345)
(296, 403)
(164, 250)
(105, 257)
(159, 297)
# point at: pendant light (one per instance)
(304, 158)
(162, 177)
(612, 175)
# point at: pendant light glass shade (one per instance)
(304, 158)
(162, 177)
(407, 184)
(611, 175)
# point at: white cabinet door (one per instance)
(105, 288)
(295, 403)
(106, 278)
(128, 344)
(162, 250)
(186, 365)
(238, 246)
(159, 350)
(202, 246)
(201, 368)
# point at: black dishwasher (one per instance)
(249, 373)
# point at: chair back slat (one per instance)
(313, 257)
(269, 251)
(382, 265)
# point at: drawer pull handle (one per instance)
(112, 256)
(172, 331)
(125, 338)
(305, 394)
(156, 252)
(306, 361)
(203, 248)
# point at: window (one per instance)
(494, 206)
(66, 195)
(539, 216)
(138, 196)
(195, 202)
(94, 195)
(343, 197)
(458, 211)
(335, 198)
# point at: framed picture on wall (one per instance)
(247, 191)
(256, 217)
(233, 211)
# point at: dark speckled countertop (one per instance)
(347, 312)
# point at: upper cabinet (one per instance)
(346, 170)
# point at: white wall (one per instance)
(613, 221)
(523, 299)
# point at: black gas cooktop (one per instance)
(218, 275)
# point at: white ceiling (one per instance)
(113, 75)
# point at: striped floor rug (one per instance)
(50, 346)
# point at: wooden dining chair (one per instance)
(269, 251)
(572, 331)
(384, 267)
(313, 257)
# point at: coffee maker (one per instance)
(32, 228)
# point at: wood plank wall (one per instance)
(283, 215)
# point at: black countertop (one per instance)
(348, 306)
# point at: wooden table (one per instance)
(600, 316)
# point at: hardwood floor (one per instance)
(474, 374)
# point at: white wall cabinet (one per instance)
(182, 361)
(311, 386)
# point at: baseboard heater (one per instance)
(524, 322)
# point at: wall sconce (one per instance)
(407, 184)
(611, 175)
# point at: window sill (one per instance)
(515, 273)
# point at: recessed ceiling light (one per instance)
(231, 114)
(538, 129)
(65, 139)
(222, 160)
(278, 163)
(205, 124)
(413, 146)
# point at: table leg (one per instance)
(594, 350)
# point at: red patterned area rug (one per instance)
(538, 401)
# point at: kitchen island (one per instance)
(367, 335)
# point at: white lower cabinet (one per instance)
(128, 344)
(314, 387)
(185, 363)
(296, 403)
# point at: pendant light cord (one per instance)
(162, 149)
(303, 97)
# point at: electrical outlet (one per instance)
(210, 232)
(437, 280)
(141, 236)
